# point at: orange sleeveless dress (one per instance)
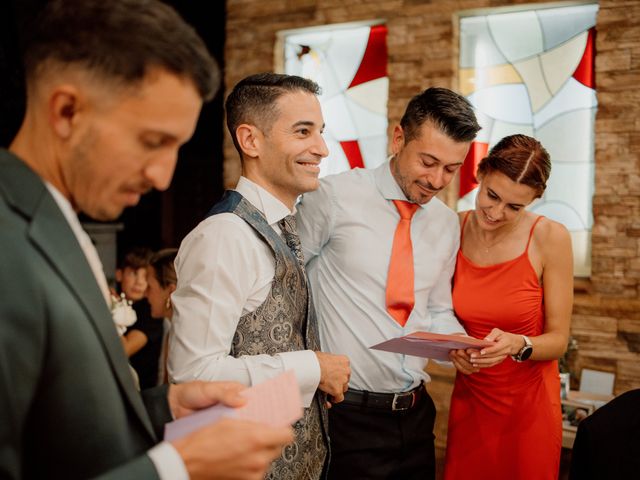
(505, 421)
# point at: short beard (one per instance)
(401, 180)
(80, 163)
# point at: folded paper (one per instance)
(276, 402)
(435, 346)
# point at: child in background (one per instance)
(143, 340)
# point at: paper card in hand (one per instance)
(431, 345)
(276, 402)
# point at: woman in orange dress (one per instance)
(513, 284)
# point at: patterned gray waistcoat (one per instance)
(285, 322)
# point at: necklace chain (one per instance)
(487, 246)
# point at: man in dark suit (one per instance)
(114, 88)
(607, 444)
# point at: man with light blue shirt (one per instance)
(380, 252)
(242, 307)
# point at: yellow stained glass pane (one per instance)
(472, 79)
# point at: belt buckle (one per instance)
(396, 396)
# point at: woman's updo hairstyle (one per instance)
(521, 158)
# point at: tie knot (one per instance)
(288, 224)
(406, 209)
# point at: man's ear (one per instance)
(119, 275)
(64, 109)
(250, 139)
(397, 140)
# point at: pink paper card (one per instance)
(430, 345)
(276, 402)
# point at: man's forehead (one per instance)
(439, 147)
(298, 97)
(299, 106)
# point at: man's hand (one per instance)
(229, 449)
(232, 450)
(334, 375)
(186, 398)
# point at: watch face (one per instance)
(525, 353)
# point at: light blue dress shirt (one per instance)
(346, 228)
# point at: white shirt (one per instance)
(164, 456)
(84, 240)
(225, 270)
(346, 228)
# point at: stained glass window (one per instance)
(349, 62)
(532, 72)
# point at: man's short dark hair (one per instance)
(253, 100)
(448, 111)
(119, 41)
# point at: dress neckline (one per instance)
(525, 253)
(499, 264)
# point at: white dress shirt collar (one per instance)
(272, 208)
(67, 210)
(387, 184)
(87, 246)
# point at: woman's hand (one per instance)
(462, 361)
(506, 344)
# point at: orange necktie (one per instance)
(400, 295)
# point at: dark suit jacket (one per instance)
(607, 444)
(68, 405)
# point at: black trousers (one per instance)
(369, 443)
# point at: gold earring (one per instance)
(167, 304)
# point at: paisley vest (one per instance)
(285, 322)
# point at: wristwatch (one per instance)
(525, 352)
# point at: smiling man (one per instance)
(380, 253)
(242, 306)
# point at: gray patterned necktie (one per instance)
(290, 232)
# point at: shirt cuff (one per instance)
(168, 462)
(306, 367)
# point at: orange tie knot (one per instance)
(406, 209)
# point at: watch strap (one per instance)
(525, 352)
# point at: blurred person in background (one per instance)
(161, 279)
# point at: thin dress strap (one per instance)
(464, 222)
(531, 232)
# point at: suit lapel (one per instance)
(53, 236)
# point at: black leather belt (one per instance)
(395, 402)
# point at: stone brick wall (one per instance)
(422, 43)
(606, 319)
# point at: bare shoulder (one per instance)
(552, 238)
